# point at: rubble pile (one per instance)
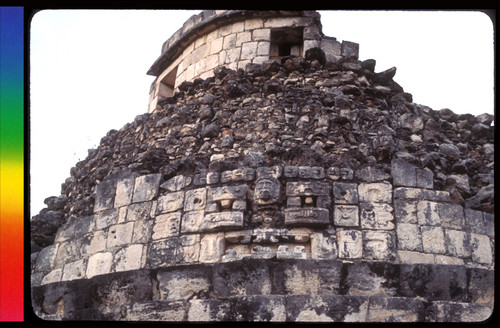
(301, 112)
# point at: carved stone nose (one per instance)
(265, 195)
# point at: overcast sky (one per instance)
(88, 71)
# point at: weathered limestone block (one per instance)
(262, 253)
(98, 264)
(74, 270)
(285, 252)
(105, 218)
(326, 308)
(155, 311)
(138, 211)
(269, 171)
(46, 258)
(376, 216)
(479, 288)
(447, 260)
(181, 284)
(188, 250)
(379, 192)
(457, 243)
(345, 193)
(337, 173)
(403, 173)
(350, 244)
(234, 279)
(170, 202)
(222, 220)
(324, 245)
(225, 196)
(124, 192)
(192, 221)
(52, 276)
(489, 224)
(162, 253)
(405, 211)
(394, 309)
(267, 191)
(176, 183)
(120, 234)
(428, 213)
(346, 216)
(68, 251)
(146, 187)
(166, 225)
(451, 216)
(142, 231)
(105, 195)
(304, 172)
(481, 248)
(379, 245)
(409, 237)
(212, 246)
(195, 199)
(433, 239)
(474, 221)
(371, 278)
(306, 216)
(240, 236)
(84, 225)
(440, 311)
(129, 258)
(94, 243)
(409, 257)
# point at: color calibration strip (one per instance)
(11, 163)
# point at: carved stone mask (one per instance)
(267, 191)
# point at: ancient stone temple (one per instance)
(275, 177)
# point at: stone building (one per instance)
(275, 177)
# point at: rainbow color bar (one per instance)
(11, 163)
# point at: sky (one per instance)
(88, 71)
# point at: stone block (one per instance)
(394, 309)
(286, 252)
(155, 311)
(448, 260)
(436, 195)
(345, 193)
(237, 279)
(375, 192)
(408, 193)
(74, 270)
(68, 251)
(474, 221)
(105, 218)
(371, 173)
(162, 253)
(379, 245)
(170, 202)
(94, 243)
(489, 224)
(449, 312)
(98, 264)
(124, 192)
(105, 195)
(146, 187)
(403, 173)
(166, 225)
(433, 239)
(324, 245)
(183, 283)
(346, 216)
(457, 243)
(84, 225)
(481, 248)
(425, 178)
(195, 199)
(451, 216)
(192, 221)
(248, 50)
(261, 34)
(306, 216)
(376, 216)
(350, 244)
(326, 308)
(409, 257)
(139, 211)
(52, 276)
(213, 310)
(188, 250)
(428, 213)
(129, 258)
(481, 286)
(222, 220)
(307, 189)
(226, 195)
(405, 211)
(256, 308)
(212, 247)
(371, 278)
(433, 282)
(120, 234)
(46, 257)
(409, 237)
(142, 231)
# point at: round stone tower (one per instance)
(275, 177)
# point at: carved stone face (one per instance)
(267, 191)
